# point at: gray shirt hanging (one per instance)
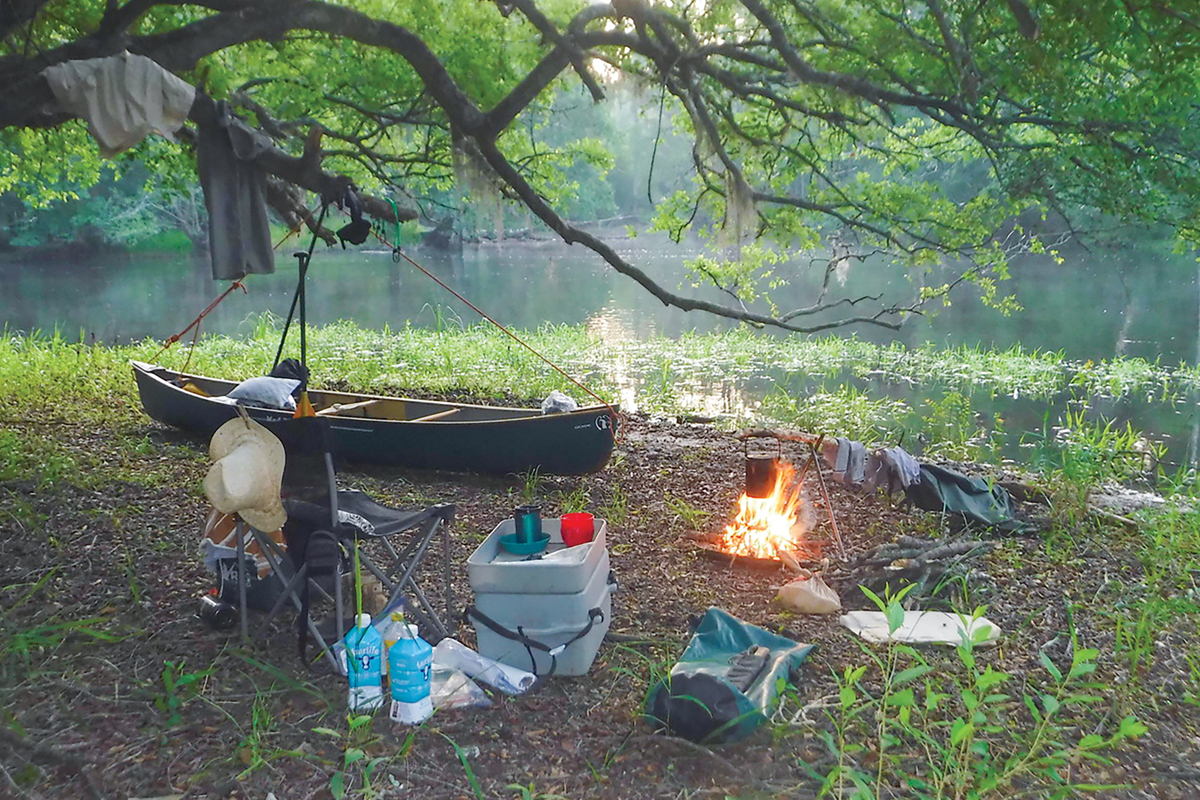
(235, 192)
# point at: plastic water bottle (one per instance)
(393, 630)
(410, 664)
(364, 665)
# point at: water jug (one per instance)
(393, 631)
(364, 665)
(410, 663)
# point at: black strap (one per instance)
(321, 558)
(595, 615)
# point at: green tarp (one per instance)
(945, 491)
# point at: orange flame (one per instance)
(765, 526)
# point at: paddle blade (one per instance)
(303, 407)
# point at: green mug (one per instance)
(528, 519)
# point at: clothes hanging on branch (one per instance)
(926, 486)
(123, 98)
(235, 194)
(357, 231)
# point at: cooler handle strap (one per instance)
(594, 615)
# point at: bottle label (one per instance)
(411, 665)
(411, 683)
(411, 713)
(364, 668)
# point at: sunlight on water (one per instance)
(613, 326)
(1135, 302)
(718, 400)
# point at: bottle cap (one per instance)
(364, 620)
(412, 631)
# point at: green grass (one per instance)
(828, 384)
(691, 517)
(965, 728)
(895, 721)
(24, 643)
(31, 455)
(831, 385)
(164, 242)
(1164, 600)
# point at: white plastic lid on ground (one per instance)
(922, 627)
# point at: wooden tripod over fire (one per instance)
(764, 472)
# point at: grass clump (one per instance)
(834, 385)
(845, 411)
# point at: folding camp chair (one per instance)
(324, 526)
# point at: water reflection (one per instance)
(612, 324)
(1138, 301)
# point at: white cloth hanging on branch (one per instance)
(123, 98)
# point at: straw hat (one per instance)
(247, 474)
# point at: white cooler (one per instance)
(562, 601)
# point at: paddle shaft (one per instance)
(298, 296)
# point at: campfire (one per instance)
(769, 526)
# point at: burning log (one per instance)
(709, 546)
(802, 562)
(770, 529)
(764, 526)
(772, 525)
(758, 469)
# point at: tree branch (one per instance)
(824, 102)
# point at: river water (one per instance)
(1138, 301)
(1133, 300)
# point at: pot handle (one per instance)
(748, 435)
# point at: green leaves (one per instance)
(910, 674)
(843, 131)
(1054, 671)
(944, 730)
(356, 764)
(178, 687)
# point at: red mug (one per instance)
(577, 528)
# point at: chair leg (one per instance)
(239, 531)
(423, 541)
(445, 526)
(438, 626)
(291, 586)
(408, 561)
(338, 610)
(275, 560)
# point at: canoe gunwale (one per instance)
(571, 443)
(518, 414)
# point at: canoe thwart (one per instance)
(338, 408)
(435, 415)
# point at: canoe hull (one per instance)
(517, 440)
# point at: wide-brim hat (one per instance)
(248, 473)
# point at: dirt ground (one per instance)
(110, 717)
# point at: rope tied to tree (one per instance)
(397, 254)
(196, 323)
